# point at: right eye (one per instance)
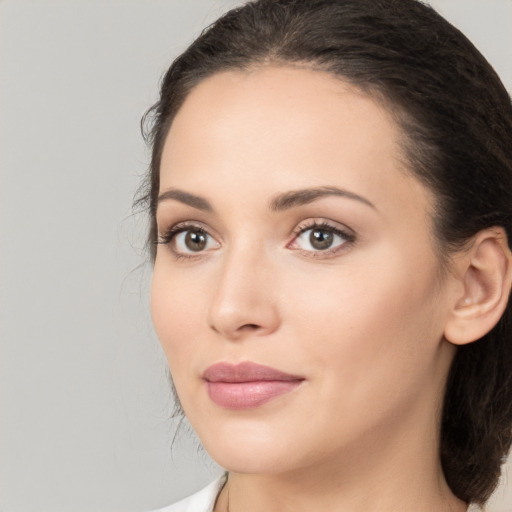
(186, 240)
(195, 240)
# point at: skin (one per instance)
(362, 322)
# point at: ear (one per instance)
(483, 280)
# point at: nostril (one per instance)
(250, 327)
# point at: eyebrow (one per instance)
(281, 202)
(305, 196)
(198, 202)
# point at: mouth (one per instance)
(247, 385)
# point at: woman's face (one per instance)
(294, 238)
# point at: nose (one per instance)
(244, 301)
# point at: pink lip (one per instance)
(247, 385)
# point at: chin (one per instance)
(256, 449)
(249, 461)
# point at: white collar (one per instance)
(202, 501)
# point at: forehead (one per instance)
(276, 128)
(300, 103)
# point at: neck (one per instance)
(393, 471)
(381, 490)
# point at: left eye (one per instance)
(321, 238)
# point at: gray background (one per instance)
(85, 422)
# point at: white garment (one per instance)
(204, 500)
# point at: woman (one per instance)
(330, 202)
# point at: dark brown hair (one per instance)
(456, 120)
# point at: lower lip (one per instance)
(248, 395)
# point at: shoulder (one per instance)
(202, 501)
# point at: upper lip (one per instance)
(245, 372)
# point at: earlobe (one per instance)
(485, 273)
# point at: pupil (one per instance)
(321, 239)
(195, 240)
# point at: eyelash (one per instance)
(349, 238)
(175, 230)
(323, 226)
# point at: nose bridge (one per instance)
(243, 300)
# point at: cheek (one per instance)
(175, 311)
(369, 323)
(370, 338)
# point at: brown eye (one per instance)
(321, 239)
(195, 240)
(188, 240)
(316, 238)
